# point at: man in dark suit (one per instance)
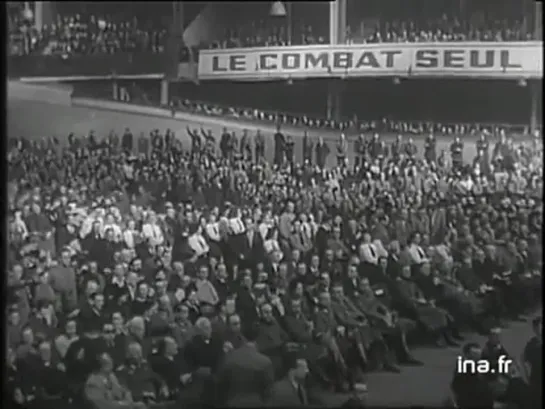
(245, 377)
(251, 246)
(186, 386)
(393, 328)
(233, 334)
(279, 146)
(291, 391)
(203, 350)
(246, 304)
(355, 320)
(301, 331)
(272, 338)
(138, 377)
(127, 140)
(471, 390)
(411, 303)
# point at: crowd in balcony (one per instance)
(95, 29)
(372, 23)
(76, 31)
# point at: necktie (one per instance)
(202, 243)
(372, 250)
(420, 252)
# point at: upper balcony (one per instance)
(106, 38)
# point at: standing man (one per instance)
(457, 153)
(397, 148)
(245, 146)
(532, 362)
(307, 149)
(341, 151)
(360, 147)
(290, 149)
(430, 149)
(291, 391)
(259, 146)
(126, 140)
(245, 377)
(225, 143)
(279, 146)
(195, 142)
(322, 150)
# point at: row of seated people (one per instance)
(440, 30)
(341, 329)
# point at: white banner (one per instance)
(515, 60)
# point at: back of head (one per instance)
(252, 333)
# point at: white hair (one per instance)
(136, 322)
(202, 321)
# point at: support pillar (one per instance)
(39, 15)
(115, 90)
(536, 95)
(164, 93)
(337, 35)
(333, 23)
(341, 21)
(289, 22)
(538, 19)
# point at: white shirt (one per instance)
(264, 229)
(213, 231)
(118, 234)
(153, 232)
(86, 226)
(370, 253)
(18, 226)
(236, 226)
(198, 244)
(382, 252)
(128, 238)
(417, 254)
(271, 245)
(467, 184)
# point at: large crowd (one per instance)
(369, 22)
(88, 30)
(144, 273)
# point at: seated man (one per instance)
(356, 322)
(233, 334)
(470, 390)
(411, 303)
(203, 351)
(182, 384)
(103, 390)
(394, 329)
(272, 339)
(504, 378)
(466, 306)
(345, 348)
(313, 350)
(138, 377)
(293, 389)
